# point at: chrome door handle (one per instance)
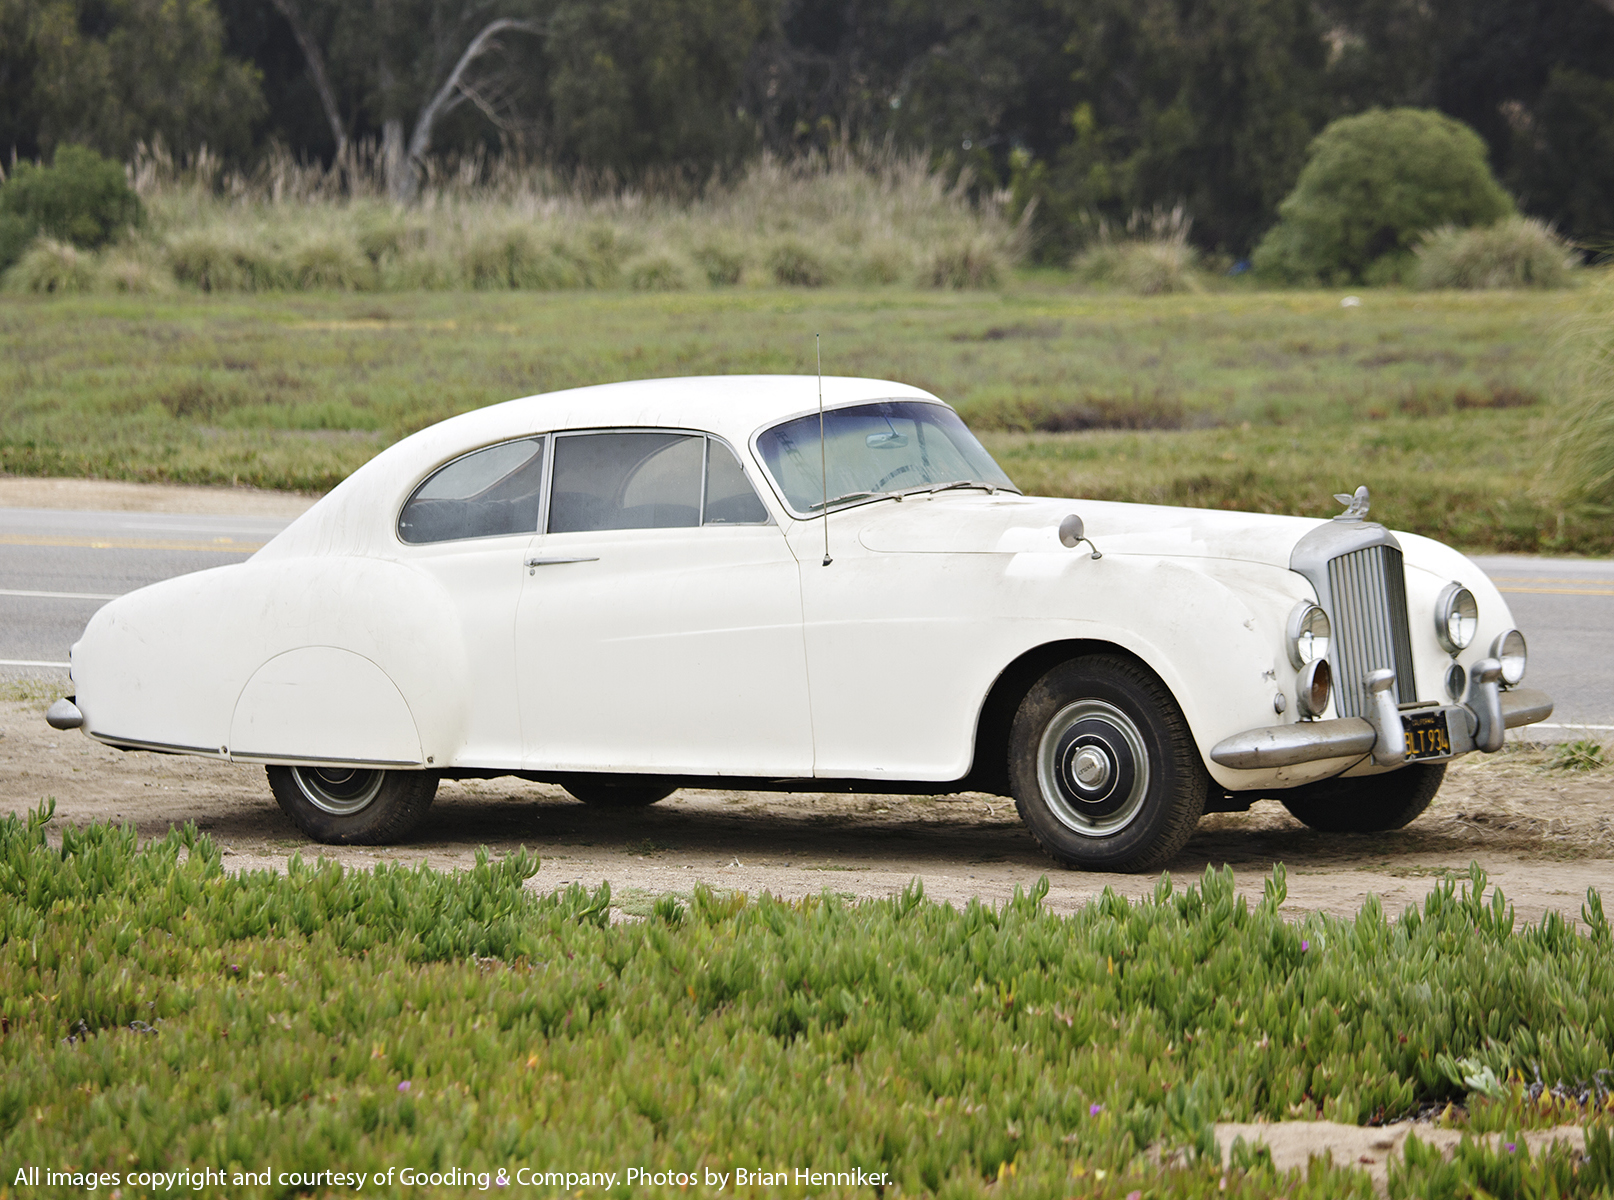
(557, 560)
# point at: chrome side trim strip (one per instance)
(297, 760)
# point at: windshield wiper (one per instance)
(850, 496)
(932, 489)
(923, 489)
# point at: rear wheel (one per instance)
(603, 792)
(1369, 804)
(1104, 770)
(355, 806)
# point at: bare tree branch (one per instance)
(453, 89)
(316, 71)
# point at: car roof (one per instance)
(358, 515)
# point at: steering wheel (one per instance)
(890, 475)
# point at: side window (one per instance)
(730, 499)
(626, 481)
(484, 494)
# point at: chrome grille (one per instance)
(1369, 593)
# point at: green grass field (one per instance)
(158, 1014)
(1271, 401)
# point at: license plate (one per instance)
(1427, 735)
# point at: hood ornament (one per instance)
(1355, 506)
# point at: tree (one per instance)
(1373, 185)
(407, 64)
(117, 72)
(641, 84)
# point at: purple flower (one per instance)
(1304, 946)
(1512, 1146)
(1094, 1109)
(404, 1086)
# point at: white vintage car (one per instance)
(643, 586)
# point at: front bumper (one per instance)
(1476, 724)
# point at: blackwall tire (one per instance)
(601, 792)
(1368, 804)
(1103, 768)
(360, 806)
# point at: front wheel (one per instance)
(1104, 770)
(354, 806)
(1368, 804)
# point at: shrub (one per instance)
(218, 262)
(1515, 252)
(15, 234)
(389, 239)
(1373, 185)
(794, 264)
(656, 273)
(598, 259)
(331, 263)
(885, 262)
(82, 199)
(514, 258)
(1155, 267)
(968, 264)
(723, 266)
(53, 266)
(134, 273)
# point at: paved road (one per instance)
(57, 567)
(1565, 606)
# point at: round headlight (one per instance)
(1309, 632)
(1509, 650)
(1456, 617)
(1316, 681)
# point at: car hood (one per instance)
(975, 523)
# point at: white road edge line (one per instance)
(25, 662)
(1546, 725)
(60, 595)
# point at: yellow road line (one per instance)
(1580, 580)
(219, 545)
(1561, 591)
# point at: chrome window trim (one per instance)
(549, 474)
(546, 439)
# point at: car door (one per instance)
(659, 625)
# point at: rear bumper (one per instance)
(1476, 724)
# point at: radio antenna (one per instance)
(823, 454)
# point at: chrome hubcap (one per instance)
(1093, 768)
(340, 791)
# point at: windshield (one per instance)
(870, 450)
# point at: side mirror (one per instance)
(1072, 534)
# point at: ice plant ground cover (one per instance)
(162, 1014)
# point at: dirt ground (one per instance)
(1543, 835)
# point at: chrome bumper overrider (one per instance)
(1476, 724)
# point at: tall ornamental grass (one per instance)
(1581, 464)
(872, 217)
(1515, 252)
